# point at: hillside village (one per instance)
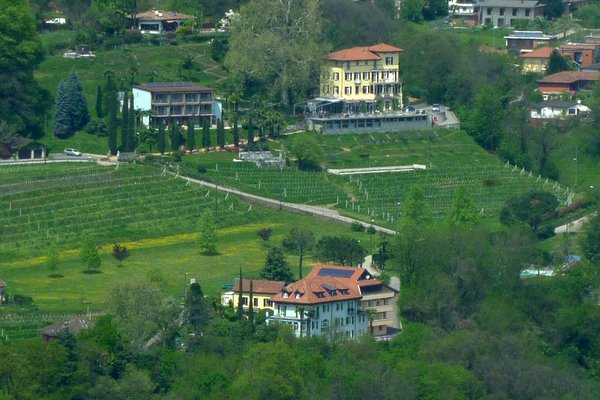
(267, 199)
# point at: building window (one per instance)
(348, 90)
(348, 65)
(325, 307)
(357, 76)
(357, 63)
(488, 11)
(245, 301)
(324, 324)
(389, 60)
(514, 12)
(336, 90)
(348, 76)
(326, 89)
(255, 302)
(356, 91)
(366, 76)
(365, 90)
(502, 11)
(527, 12)
(336, 76)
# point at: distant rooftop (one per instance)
(363, 53)
(160, 15)
(542, 52)
(570, 77)
(539, 35)
(163, 87)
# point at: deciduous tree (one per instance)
(89, 254)
(277, 44)
(308, 152)
(300, 241)
(207, 233)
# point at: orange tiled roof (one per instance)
(327, 283)
(363, 53)
(259, 286)
(318, 289)
(542, 52)
(571, 77)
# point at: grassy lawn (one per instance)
(164, 260)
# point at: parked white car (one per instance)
(57, 21)
(72, 152)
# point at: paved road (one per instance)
(303, 208)
(573, 226)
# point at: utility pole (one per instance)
(185, 279)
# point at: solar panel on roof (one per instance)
(336, 273)
(169, 84)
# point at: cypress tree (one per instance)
(125, 123)
(174, 136)
(206, 134)
(191, 136)
(221, 133)
(112, 122)
(251, 306)
(99, 101)
(240, 305)
(131, 125)
(250, 133)
(236, 133)
(161, 140)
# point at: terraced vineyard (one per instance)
(380, 196)
(43, 204)
(286, 184)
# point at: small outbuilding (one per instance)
(72, 326)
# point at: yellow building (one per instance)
(262, 291)
(536, 60)
(366, 78)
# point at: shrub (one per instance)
(96, 127)
(357, 227)
(264, 233)
(22, 300)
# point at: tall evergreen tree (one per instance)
(125, 123)
(251, 305)
(62, 120)
(131, 125)
(199, 312)
(161, 140)
(240, 304)
(174, 136)
(99, 102)
(191, 136)
(221, 133)
(276, 267)
(71, 107)
(112, 121)
(236, 133)
(77, 102)
(250, 133)
(206, 134)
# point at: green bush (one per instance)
(357, 227)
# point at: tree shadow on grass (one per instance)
(54, 276)
(210, 253)
(91, 271)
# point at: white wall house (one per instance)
(175, 102)
(335, 302)
(557, 109)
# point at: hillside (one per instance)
(451, 158)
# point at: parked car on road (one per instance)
(409, 109)
(72, 152)
(435, 107)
